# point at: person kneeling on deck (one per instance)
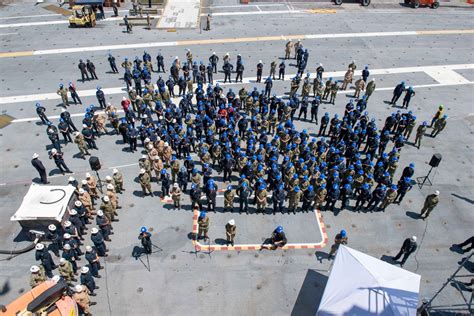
(277, 240)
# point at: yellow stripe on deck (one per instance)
(16, 54)
(323, 11)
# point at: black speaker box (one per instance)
(435, 160)
(95, 163)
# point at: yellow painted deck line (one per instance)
(17, 54)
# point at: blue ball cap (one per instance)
(335, 186)
(143, 229)
(202, 214)
(394, 187)
(310, 188)
(163, 171)
(297, 189)
(412, 165)
(343, 233)
(347, 186)
(229, 187)
(279, 229)
(245, 184)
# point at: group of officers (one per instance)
(248, 136)
(92, 205)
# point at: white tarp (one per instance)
(44, 202)
(363, 285)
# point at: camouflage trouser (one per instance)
(177, 202)
(228, 204)
(118, 186)
(333, 97)
(385, 203)
(146, 187)
(418, 140)
(425, 212)
(110, 215)
(83, 150)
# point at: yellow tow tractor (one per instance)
(84, 13)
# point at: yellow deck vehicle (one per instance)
(82, 16)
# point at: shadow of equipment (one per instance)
(310, 295)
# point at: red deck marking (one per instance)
(198, 246)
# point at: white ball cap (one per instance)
(39, 246)
(35, 155)
(72, 212)
(232, 222)
(94, 230)
(71, 179)
(88, 248)
(34, 269)
(62, 261)
(144, 156)
(84, 125)
(52, 227)
(175, 185)
(88, 175)
(100, 213)
(413, 238)
(55, 278)
(166, 144)
(84, 181)
(108, 178)
(67, 224)
(124, 98)
(436, 192)
(78, 203)
(115, 171)
(54, 150)
(142, 171)
(67, 247)
(110, 186)
(78, 288)
(84, 270)
(106, 198)
(82, 191)
(66, 236)
(147, 140)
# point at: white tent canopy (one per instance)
(44, 202)
(363, 285)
